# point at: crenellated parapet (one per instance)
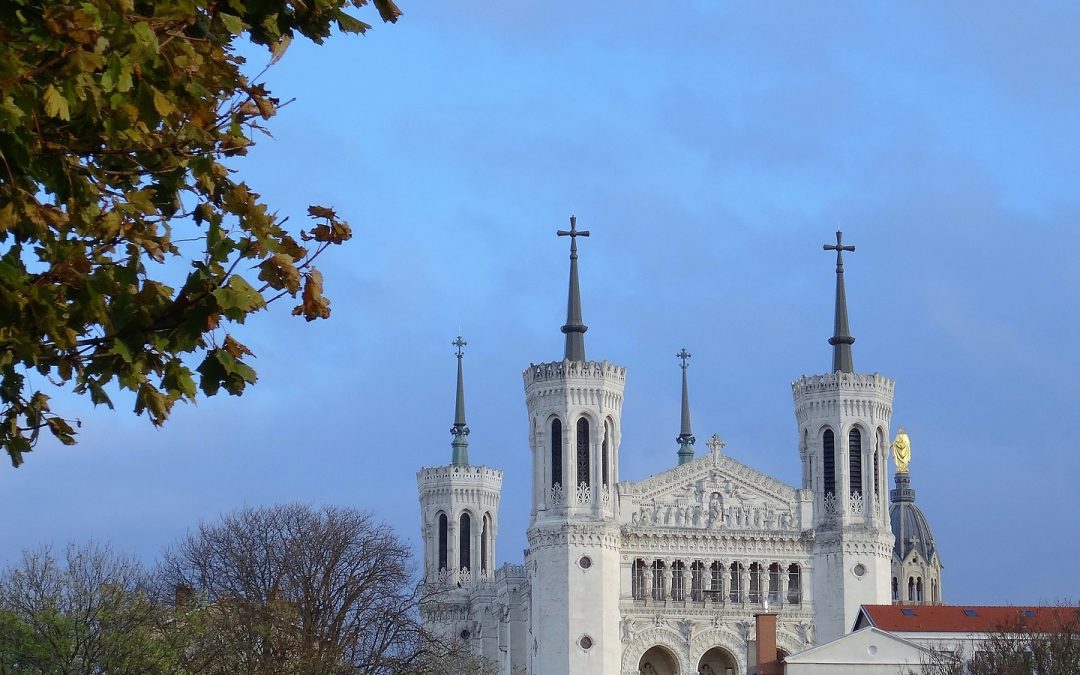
(564, 384)
(481, 476)
(865, 383)
(570, 370)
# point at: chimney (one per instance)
(767, 663)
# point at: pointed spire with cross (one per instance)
(460, 430)
(574, 327)
(685, 438)
(841, 339)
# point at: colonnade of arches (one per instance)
(659, 660)
(916, 590)
(716, 581)
(573, 467)
(864, 474)
(472, 549)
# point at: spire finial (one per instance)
(460, 430)
(574, 328)
(686, 437)
(841, 339)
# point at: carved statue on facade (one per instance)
(714, 509)
(686, 627)
(902, 451)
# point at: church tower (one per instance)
(574, 409)
(459, 511)
(843, 420)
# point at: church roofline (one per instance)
(657, 483)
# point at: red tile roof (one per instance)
(953, 619)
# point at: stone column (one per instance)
(744, 578)
(451, 547)
(766, 582)
(718, 596)
(667, 578)
(783, 584)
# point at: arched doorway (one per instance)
(717, 661)
(657, 661)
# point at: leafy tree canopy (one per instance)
(117, 118)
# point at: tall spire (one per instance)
(841, 339)
(460, 430)
(686, 437)
(574, 328)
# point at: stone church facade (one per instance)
(666, 574)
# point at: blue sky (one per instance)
(711, 149)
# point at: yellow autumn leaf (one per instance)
(55, 104)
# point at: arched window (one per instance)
(756, 577)
(697, 581)
(911, 589)
(895, 590)
(829, 462)
(464, 543)
(556, 452)
(918, 589)
(678, 580)
(794, 584)
(933, 590)
(855, 461)
(735, 582)
(485, 544)
(637, 579)
(877, 480)
(658, 580)
(583, 452)
(605, 451)
(443, 526)
(716, 589)
(774, 583)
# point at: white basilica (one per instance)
(665, 576)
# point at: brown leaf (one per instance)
(314, 305)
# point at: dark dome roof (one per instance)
(909, 525)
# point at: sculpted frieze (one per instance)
(713, 504)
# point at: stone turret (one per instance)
(843, 419)
(575, 413)
(459, 506)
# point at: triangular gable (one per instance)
(863, 620)
(867, 646)
(714, 465)
(714, 492)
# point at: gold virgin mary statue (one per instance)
(901, 448)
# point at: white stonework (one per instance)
(664, 575)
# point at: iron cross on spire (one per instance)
(683, 356)
(839, 248)
(460, 344)
(573, 233)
